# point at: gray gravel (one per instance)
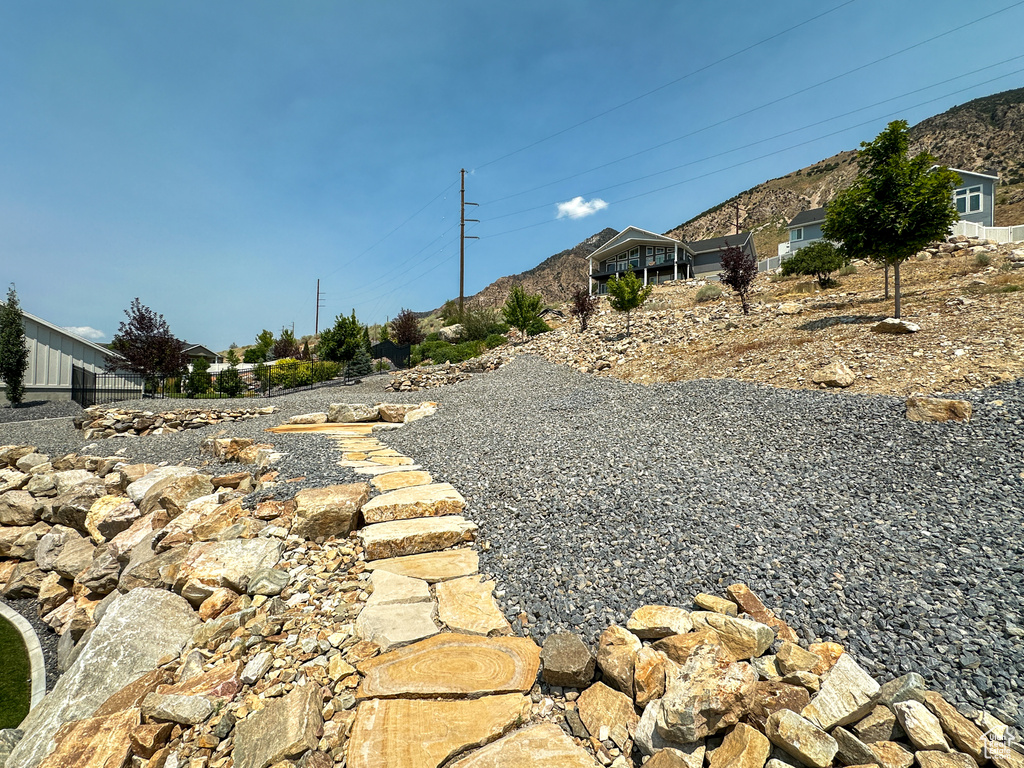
(38, 409)
(902, 541)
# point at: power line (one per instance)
(951, 31)
(788, 133)
(662, 87)
(745, 162)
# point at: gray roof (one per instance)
(812, 216)
(718, 243)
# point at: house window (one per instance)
(968, 199)
(650, 250)
(796, 234)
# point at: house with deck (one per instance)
(657, 259)
(974, 198)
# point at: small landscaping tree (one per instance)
(895, 207)
(385, 333)
(818, 260)
(738, 272)
(229, 382)
(584, 306)
(197, 382)
(627, 293)
(13, 348)
(522, 309)
(340, 343)
(147, 346)
(260, 351)
(360, 365)
(406, 328)
(285, 345)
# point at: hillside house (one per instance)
(195, 351)
(657, 259)
(975, 200)
(52, 354)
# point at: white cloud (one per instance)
(85, 332)
(577, 208)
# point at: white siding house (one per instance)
(52, 351)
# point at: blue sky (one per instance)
(216, 159)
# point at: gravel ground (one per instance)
(47, 637)
(38, 409)
(901, 541)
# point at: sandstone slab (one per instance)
(678, 648)
(938, 409)
(419, 501)
(771, 696)
(329, 511)
(743, 747)
(173, 494)
(286, 728)
(467, 605)
(879, 725)
(109, 516)
(538, 746)
(138, 489)
(431, 566)
(602, 707)
(392, 481)
(390, 589)
(892, 755)
(392, 626)
(792, 658)
(714, 603)
(424, 734)
(175, 708)
(452, 665)
(410, 537)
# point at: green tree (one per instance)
(232, 357)
(147, 346)
(13, 348)
(285, 345)
(385, 333)
(197, 382)
(522, 309)
(819, 260)
(260, 351)
(229, 382)
(626, 293)
(340, 343)
(895, 207)
(360, 365)
(739, 269)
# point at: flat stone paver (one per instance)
(392, 626)
(392, 589)
(392, 481)
(377, 469)
(420, 501)
(432, 567)
(452, 665)
(335, 429)
(393, 461)
(540, 746)
(412, 537)
(425, 734)
(467, 605)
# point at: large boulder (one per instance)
(568, 662)
(136, 631)
(707, 694)
(395, 412)
(616, 655)
(801, 739)
(351, 413)
(285, 729)
(173, 494)
(745, 639)
(71, 508)
(24, 581)
(329, 511)
(847, 694)
(452, 334)
(211, 565)
(138, 489)
(109, 515)
(893, 326)
(17, 508)
(835, 375)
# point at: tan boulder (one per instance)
(351, 413)
(936, 759)
(801, 739)
(17, 508)
(172, 494)
(602, 707)
(966, 735)
(216, 603)
(751, 605)
(649, 667)
(705, 695)
(892, 755)
(467, 605)
(771, 696)
(678, 648)
(716, 604)
(938, 409)
(138, 489)
(284, 729)
(835, 375)
(329, 511)
(743, 747)
(132, 694)
(743, 638)
(410, 537)
(54, 590)
(211, 565)
(96, 742)
(656, 621)
(395, 412)
(616, 653)
(792, 658)
(829, 653)
(109, 515)
(309, 418)
(847, 694)
(921, 726)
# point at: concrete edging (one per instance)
(37, 665)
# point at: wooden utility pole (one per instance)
(462, 244)
(736, 206)
(316, 324)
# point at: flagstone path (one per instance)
(450, 679)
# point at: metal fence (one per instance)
(398, 354)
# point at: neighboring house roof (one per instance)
(196, 350)
(808, 217)
(718, 243)
(65, 332)
(631, 235)
(961, 171)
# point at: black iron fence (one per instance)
(262, 380)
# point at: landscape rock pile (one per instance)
(97, 422)
(425, 377)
